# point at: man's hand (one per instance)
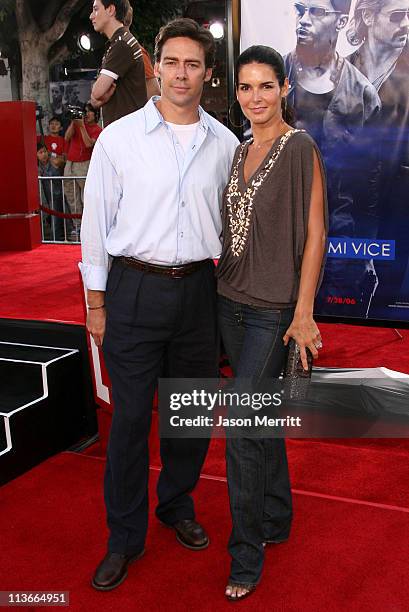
(94, 102)
(96, 324)
(58, 161)
(103, 99)
(96, 316)
(103, 88)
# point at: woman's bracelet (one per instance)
(96, 307)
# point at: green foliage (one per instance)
(150, 15)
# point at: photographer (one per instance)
(80, 137)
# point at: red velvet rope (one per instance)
(56, 213)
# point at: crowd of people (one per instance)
(67, 156)
(126, 80)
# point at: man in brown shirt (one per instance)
(126, 75)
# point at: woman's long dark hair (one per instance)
(260, 54)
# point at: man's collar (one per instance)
(118, 32)
(153, 117)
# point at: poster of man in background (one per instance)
(380, 28)
(68, 93)
(335, 102)
(56, 96)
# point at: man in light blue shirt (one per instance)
(152, 210)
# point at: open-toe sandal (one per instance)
(249, 589)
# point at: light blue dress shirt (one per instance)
(146, 198)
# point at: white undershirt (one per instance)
(184, 133)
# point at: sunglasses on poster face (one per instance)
(314, 11)
(398, 16)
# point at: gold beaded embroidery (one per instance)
(240, 205)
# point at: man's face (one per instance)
(56, 95)
(42, 155)
(54, 127)
(313, 28)
(182, 71)
(101, 16)
(71, 95)
(390, 26)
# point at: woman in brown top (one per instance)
(274, 225)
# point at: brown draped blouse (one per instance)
(265, 224)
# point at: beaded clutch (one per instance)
(297, 380)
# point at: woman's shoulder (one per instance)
(242, 145)
(301, 138)
(303, 144)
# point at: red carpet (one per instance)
(322, 466)
(348, 549)
(352, 465)
(42, 284)
(342, 556)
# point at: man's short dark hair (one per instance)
(41, 145)
(342, 6)
(121, 8)
(187, 28)
(128, 17)
(55, 118)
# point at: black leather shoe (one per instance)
(112, 571)
(191, 534)
(275, 541)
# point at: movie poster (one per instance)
(348, 69)
(65, 94)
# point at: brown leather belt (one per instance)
(172, 271)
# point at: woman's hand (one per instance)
(79, 122)
(305, 332)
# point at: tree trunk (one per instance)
(15, 82)
(35, 46)
(34, 60)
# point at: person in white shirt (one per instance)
(152, 210)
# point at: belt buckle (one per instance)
(176, 273)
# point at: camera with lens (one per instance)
(75, 112)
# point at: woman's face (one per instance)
(259, 93)
(89, 115)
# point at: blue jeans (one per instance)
(257, 469)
